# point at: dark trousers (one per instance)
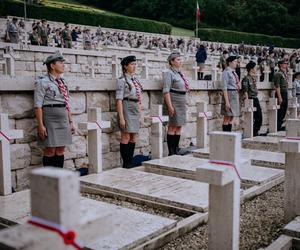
(257, 115)
(283, 108)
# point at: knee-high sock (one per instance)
(176, 143)
(131, 146)
(60, 159)
(124, 154)
(170, 142)
(229, 127)
(49, 161)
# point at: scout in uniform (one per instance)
(250, 91)
(223, 59)
(128, 96)
(175, 87)
(281, 88)
(66, 38)
(34, 37)
(52, 109)
(43, 33)
(12, 31)
(230, 106)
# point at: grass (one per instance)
(182, 32)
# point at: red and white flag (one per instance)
(198, 12)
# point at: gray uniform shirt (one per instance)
(123, 90)
(173, 80)
(12, 28)
(47, 91)
(228, 81)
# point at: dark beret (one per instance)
(282, 62)
(230, 59)
(296, 75)
(54, 58)
(128, 59)
(250, 65)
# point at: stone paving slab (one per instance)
(121, 227)
(186, 194)
(278, 134)
(188, 165)
(264, 143)
(257, 157)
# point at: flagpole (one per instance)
(196, 19)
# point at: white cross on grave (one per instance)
(293, 108)
(248, 114)
(291, 146)
(94, 126)
(272, 108)
(91, 67)
(222, 174)
(6, 135)
(156, 118)
(10, 62)
(145, 68)
(195, 71)
(202, 116)
(114, 67)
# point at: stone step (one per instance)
(185, 167)
(118, 227)
(278, 134)
(265, 143)
(257, 157)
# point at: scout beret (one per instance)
(128, 59)
(173, 55)
(54, 58)
(230, 59)
(250, 65)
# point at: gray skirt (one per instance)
(234, 101)
(179, 105)
(58, 131)
(132, 117)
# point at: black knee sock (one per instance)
(199, 77)
(229, 127)
(49, 161)
(124, 154)
(60, 159)
(176, 143)
(170, 142)
(131, 146)
(225, 127)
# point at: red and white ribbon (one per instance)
(98, 125)
(293, 138)
(217, 162)
(158, 117)
(4, 135)
(68, 236)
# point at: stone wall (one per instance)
(16, 98)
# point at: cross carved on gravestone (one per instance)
(6, 135)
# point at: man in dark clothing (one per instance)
(201, 56)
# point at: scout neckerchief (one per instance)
(138, 88)
(64, 92)
(186, 83)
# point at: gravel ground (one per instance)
(261, 221)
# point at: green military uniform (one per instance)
(249, 86)
(223, 64)
(281, 81)
(34, 38)
(67, 38)
(42, 32)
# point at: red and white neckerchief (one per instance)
(68, 236)
(137, 89)
(63, 90)
(237, 81)
(186, 83)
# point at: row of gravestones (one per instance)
(95, 125)
(207, 174)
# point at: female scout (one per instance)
(128, 96)
(52, 109)
(175, 87)
(230, 106)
